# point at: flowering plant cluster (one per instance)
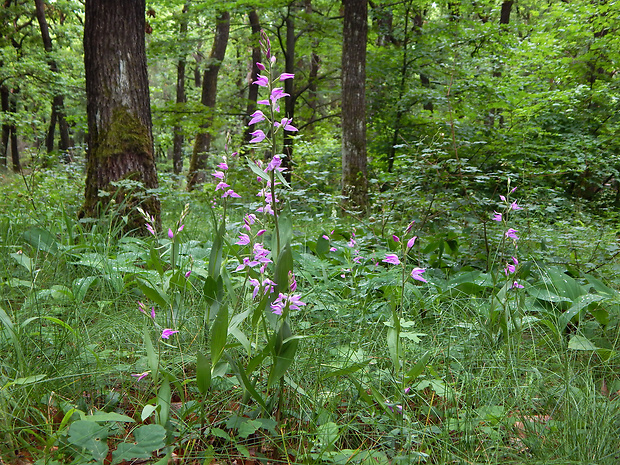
(393, 259)
(511, 266)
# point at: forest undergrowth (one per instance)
(436, 329)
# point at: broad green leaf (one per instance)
(147, 411)
(24, 260)
(80, 287)
(248, 427)
(147, 439)
(581, 303)
(327, 434)
(90, 436)
(580, 343)
(41, 239)
(107, 416)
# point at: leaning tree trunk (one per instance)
(354, 158)
(202, 145)
(120, 141)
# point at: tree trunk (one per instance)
(289, 106)
(254, 71)
(120, 141)
(6, 129)
(58, 110)
(354, 158)
(202, 144)
(178, 139)
(504, 19)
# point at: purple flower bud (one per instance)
(170, 233)
(260, 66)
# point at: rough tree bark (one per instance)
(178, 138)
(354, 157)
(120, 141)
(58, 105)
(200, 155)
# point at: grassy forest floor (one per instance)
(505, 349)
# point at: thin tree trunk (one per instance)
(6, 129)
(178, 138)
(202, 144)
(289, 106)
(17, 167)
(354, 157)
(254, 71)
(58, 111)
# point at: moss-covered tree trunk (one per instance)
(202, 145)
(354, 157)
(120, 141)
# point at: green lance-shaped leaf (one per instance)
(151, 355)
(203, 373)
(393, 341)
(219, 333)
(164, 397)
(418, 368)
(247, 384)
(154, 293)
(214, 295)
(257, 171)
(92, 437)
(147, 439)
(215, 259)
(10, 331)
(284, 266)
(285, 348)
